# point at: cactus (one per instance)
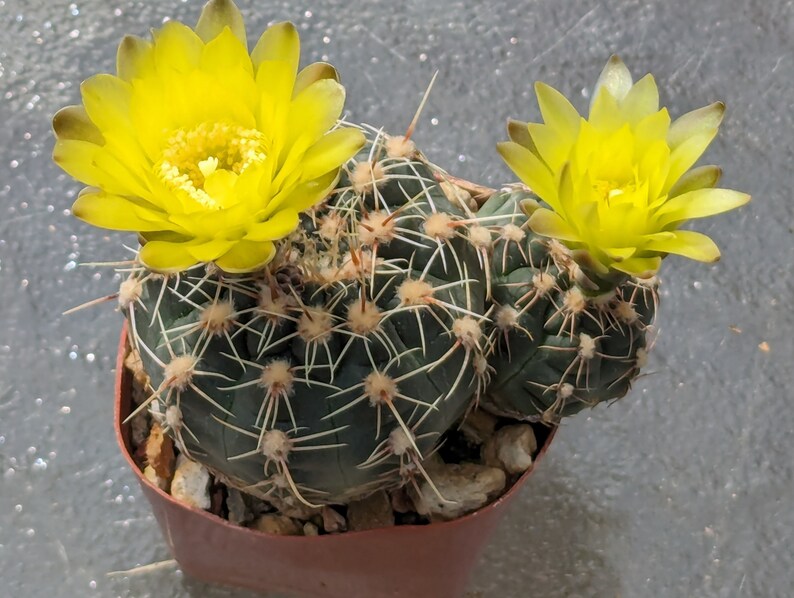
(574, 283)
(311, 325)
(335, 370)
(553, 348)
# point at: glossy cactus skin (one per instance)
(554, 350)
(335, 371)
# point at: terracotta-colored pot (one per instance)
(417, 561)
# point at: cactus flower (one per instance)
(620, 183)
(207, 151)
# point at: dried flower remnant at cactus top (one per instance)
(207, 152)
(619, 183)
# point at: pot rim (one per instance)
(123, 377)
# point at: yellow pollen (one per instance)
(192, 155)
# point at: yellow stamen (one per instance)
(192, 155)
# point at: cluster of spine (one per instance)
(554, 347)
(336, 370)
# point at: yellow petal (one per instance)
(72, 122)
(703, 177)
(551, 148)
(302, 196)
(605, 114)
(225, 53)
(530, 170)
(279, 226)
(279, 42)
(218, 14)
(314, 72)
(641, 101)
(246, 256)
(331, 151)
(615, 78)
(122, 174)
(686, 154)
(77, 159)
(220, 186)
(211, 250)
(116, 213)
(698, 122)
(641, 267)
(518, 132)
(135, 58)
(107, 102)
(275, 80)
(166, 257)
(550, 224)
(315, 110)
(557, 111)
(699, 204)
(690, 244)
(177, 49)
(620, 254)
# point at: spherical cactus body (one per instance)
(333, 372)
(555, 348)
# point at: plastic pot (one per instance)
(417, 561)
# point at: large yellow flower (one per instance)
(619, 183)
(208, 152)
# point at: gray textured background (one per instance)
(682, 489)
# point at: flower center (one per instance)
(192, 156)
(613, 192)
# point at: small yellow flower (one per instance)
(619, 183)
(208, 152)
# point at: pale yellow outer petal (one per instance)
(698, 122)
(107, 101)
(246, 256)
(553, 149)
(699, 204)
(615, 79)
(557, 111)
(166, 257)
(550, 224)
(301, 197)
(314, 72)
(177, 49)
(280, 42)
(135, 58)
(703, 177)
(77, 159)
(685, 155)
(693, 245)
(225, 53)
(518, 132)
(117, 213)
(210, 250)
(314, 111)
(530, 170)
(218, 14)
(331, 151)
(277, 227)
(641, 267)
(72, 122)
(641, 101)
